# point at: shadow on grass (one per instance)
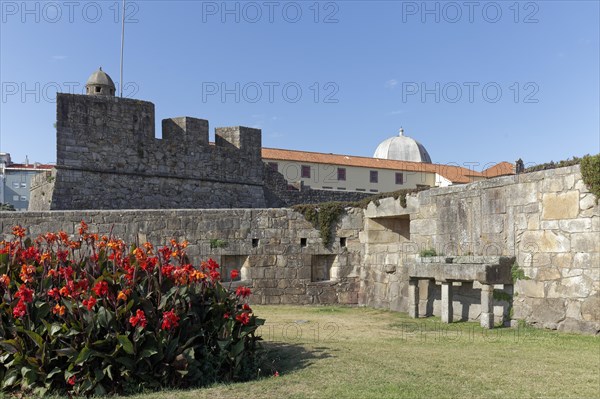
(287, 358)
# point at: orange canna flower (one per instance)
(59, 309)
(4, 280)
(18, 231)
(27, 272)
(46, 256)
(122, 296)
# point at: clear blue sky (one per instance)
(433, 68)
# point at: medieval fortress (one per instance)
(113, 173)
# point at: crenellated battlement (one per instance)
(108, 157)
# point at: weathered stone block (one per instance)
(560, 206)
(544, 241)
(530, 288)
(576, 225)
(590, 308)
(585, 242)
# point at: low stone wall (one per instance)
(280, 253)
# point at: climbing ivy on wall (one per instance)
(325, 215)
(590, 172)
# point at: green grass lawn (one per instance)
(338, 352)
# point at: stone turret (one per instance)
(100, 84)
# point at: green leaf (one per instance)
(55, 328)
(99, 390)
(105, 317)
(224, 343)
(237, 348)
(127, 362)
(147, 353)
(10, 379)
(108, 371)
(55, 371)
(11, 345)
(126, 344)
(66, 352)
(29, 376)
(84, 355)
(35, 337)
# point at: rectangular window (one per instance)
(341, 172)
(399, 178)
(23, 198)
(23, 185)
(305, 172)
(373, 176)
(15, 184)
(15, 197)
(274, 166)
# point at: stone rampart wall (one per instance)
(279, 253)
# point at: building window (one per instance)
(274, 166)
(15, 197)
(341, 174)
(399, 178)
(374, 176)
(305, 172)
(15, 184)
(23, 198)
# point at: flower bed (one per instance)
(94, 315)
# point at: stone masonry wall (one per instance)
(108, 158)
(549, 220)
(277, 250)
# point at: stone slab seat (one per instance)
(487, 270)
(493, 270)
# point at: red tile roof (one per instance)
(500, 169)
(456, 174)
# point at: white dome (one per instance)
(402, 148)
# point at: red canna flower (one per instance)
(139, 318)
(71, 381)
(226, 316)
(167, 270)
(54, 294)
(25, 294)
(243, 291)
(83, 229)
(243, 318)
(170, 320)
(89, 303)
(101, 288)
(247, 307)
(234, 274)
(215, 275)
(20, 309)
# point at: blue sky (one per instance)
(477, 82)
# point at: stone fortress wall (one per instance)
(548, 220)
(108, 158)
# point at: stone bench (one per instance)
(487, 270)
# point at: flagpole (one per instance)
(122, 46)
